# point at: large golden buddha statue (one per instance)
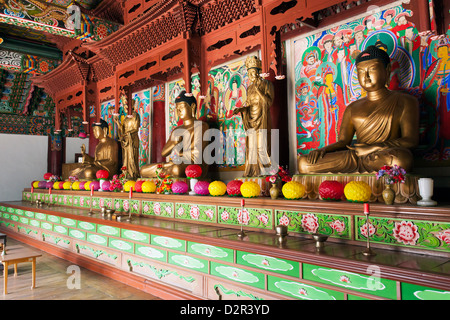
(106, 155)
(386, 124)
(186, 139)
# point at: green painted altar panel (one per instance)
(61, 230)
(209, 251)
(150, 252)
(243, 276)
(121, 245)
(135, 235)
(416, 292)
(77, 234)
(88, 226)
(97, 239)
(40, 216)
(68, 222)
(267, 263)
(362, 283)
(188, 262)
(29, 214)
(108, 230)
(301, 290)
(168, 243)
(53, 219)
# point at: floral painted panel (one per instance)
(251, 217)
(155, 208)
(411, 233)
(338, 226)
(195, 212)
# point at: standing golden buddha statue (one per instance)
(128, 136)
(106, 155)
(386, 124)
(256, 119)
(186, 138)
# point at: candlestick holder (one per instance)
(281, 232)
(368, 252)
(241, 234)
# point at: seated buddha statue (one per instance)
(106, 155)
(186, 139)
(386, 124)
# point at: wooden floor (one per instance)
(52, 278)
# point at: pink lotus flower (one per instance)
(263, 218)
(364, 228)
(195, 212)
(406, 232)
(168, 209)
(210, 214)
(310, 223)
(444, 236)
(146, 208)
(225, 215)
(338, 225)
(284, 220)
(126, 205)
(157, 208)
(180, 211)
(243, 216)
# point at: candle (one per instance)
(92, 192)
(242, 202)
(32, 189)
(366, 208)
(49, 190)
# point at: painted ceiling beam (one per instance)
(30, 48)
(52, 19)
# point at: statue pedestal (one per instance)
(407, 192)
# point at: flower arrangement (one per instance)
(280, 174)
(73, 178)
(53, 178)
(164, 183)
(394, 174)
(116, 184)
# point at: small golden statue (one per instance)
(106, 155)
(386, 124)
(187, 138)
(256, 119)
(129, 138)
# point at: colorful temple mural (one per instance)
(227, 89)
(326, 81)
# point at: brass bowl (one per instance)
(319, 239)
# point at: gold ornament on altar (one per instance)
(106, 155)
(129, 138)
(186, 139)
(256, 120)
(386, 124)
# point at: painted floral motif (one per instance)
(157, 208)
(303, 292)
(225, 215)
(126, 205)
(310, 223)
(264, 218)
(444, 236)
(344, 279)
(102, 202)
(371, 229)
(210, 214)
(136, 207)
(180, 211)
(243, 216)
(146, 208)
(338, 225)
(406, 232)
(168, 209)
(284, 220)
(195, 212)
